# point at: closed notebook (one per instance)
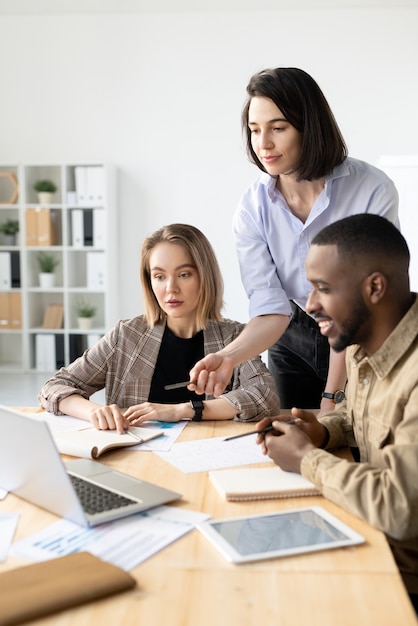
(39, 589)
(260, 483)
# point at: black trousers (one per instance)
(414, 600)
(299, 362)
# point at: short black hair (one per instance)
(303, 104)
(366, 236)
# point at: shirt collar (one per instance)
(395, 346)
(338, 172)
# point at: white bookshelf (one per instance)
(87, 269)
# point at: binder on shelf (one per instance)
(40, 227)
(95, 184)
(77, 228)
(5, 271)
(90, 184)
(59, 351)
(76, 346)
(46, 228)
(15, 269)
(96, 275)
(10, 310)
(45, 352)
(15, 311)
(99, 228)
(80, 175)
(88, 227)
(31, 227)
(4, 310)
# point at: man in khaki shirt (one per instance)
(361, 300)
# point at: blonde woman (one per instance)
(182, 323)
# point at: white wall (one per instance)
(160, 96)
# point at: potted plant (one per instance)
(9, 228)
(85, 312)
(47, 264)
(45, 189)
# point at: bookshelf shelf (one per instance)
(74, 230)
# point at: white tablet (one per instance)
(256, 537)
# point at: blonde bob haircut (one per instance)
(204, 259)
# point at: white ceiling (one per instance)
(16, 7)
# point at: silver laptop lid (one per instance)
(31, 467)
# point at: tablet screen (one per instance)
(290, 532)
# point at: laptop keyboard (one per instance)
(95, 499)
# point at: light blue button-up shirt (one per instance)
(272, 243)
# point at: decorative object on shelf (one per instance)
(9, 229)
(47, 264)
(45, 189)
(53, 316)
(9, 188)
(85, 313)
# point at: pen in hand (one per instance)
(267, 429)
(179, 385)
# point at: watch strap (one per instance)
(198, 407)
(337, 396)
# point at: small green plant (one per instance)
(9, 227)
(45, 186)
(47, 262)
(85, 308)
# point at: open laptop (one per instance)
(31, 468)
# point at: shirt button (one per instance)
(365, 381)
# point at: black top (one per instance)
(175, 360)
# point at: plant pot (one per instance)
(47, 280)
(85, 323)
(44, 197)
(9, 240)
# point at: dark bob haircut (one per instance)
(304, 106)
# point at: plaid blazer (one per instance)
(123, 363)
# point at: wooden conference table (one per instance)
(190, 584)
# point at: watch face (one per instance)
(339, 396)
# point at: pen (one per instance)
(257, 432)
(179, 385)
(129, 432)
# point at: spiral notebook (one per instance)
(261, 483)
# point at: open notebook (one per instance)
(260, 483)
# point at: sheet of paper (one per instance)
(214, 453)
(8, 523)
(60, 422)
(171, 431)
(125, 543)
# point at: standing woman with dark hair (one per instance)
(183, 293)
(307, 182)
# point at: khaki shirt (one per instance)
(123, 364)
(380, 416)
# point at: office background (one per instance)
(157, 89)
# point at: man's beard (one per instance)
(351, 326)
